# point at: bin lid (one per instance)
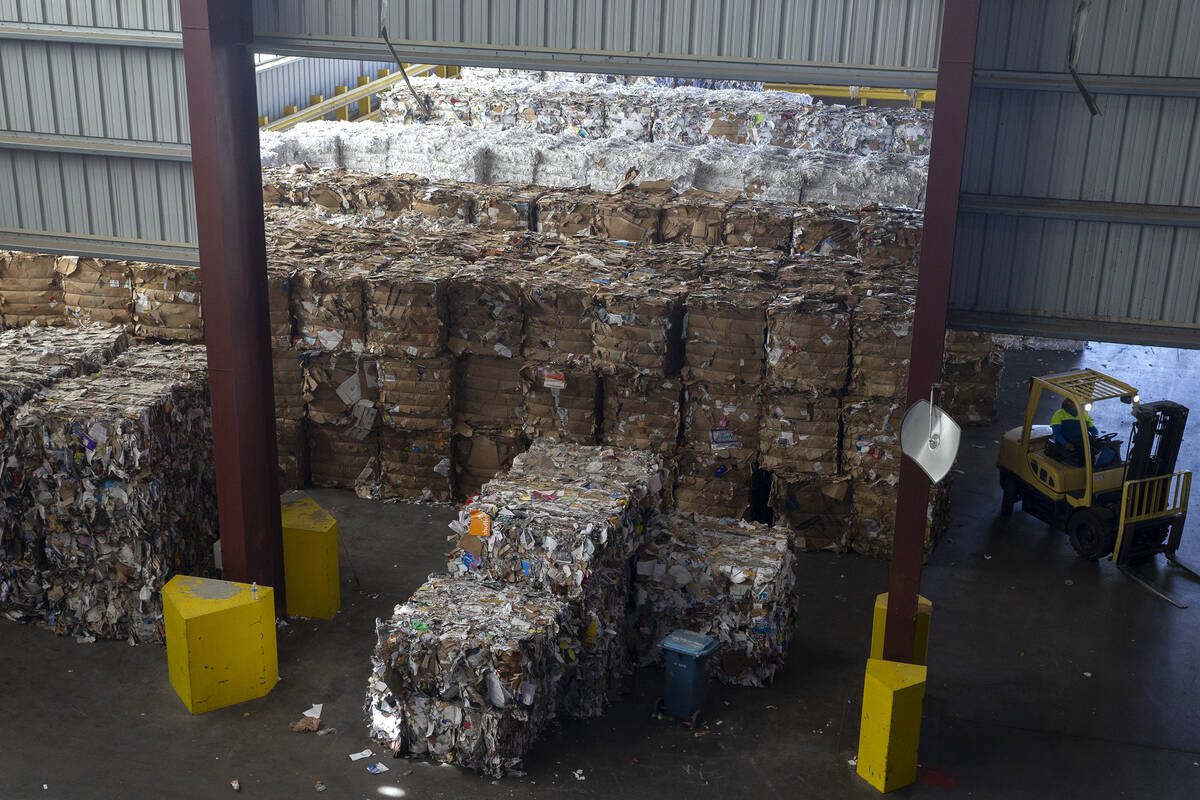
(689, 643)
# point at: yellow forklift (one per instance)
(1133, 507)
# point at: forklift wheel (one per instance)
(697, 716)
(1009, 487)
(1092, 533)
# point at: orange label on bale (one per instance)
(481, 524)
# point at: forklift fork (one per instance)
(1150, 503)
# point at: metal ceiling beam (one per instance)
(118, 37)
(1099, 84)
(770, 71)
(94, 146)
(73, 244)
(1090, 329)
(233, 260)
(1082, 210)
(960, 21)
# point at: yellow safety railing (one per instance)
(1148, 499)
(860, 93)
(359, 96)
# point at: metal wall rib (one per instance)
(137, 15)
(890, 42)
(1075, 225)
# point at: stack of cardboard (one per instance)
(641, 412)
(881, 335)
(120, 492)
(341, 390)
(329, 307)
(568, 213)
(971, 374)
(696, 218)
(30, 290)
(562, 403)
(558, 298)
(889, 236)
(507, 208)
(730, 580)
(630, 215)
(406, 307)
(166, 303)
(488, 409)
(824, 230)
(415, 421)
(96, 290)
(290, 437)
(486, 317)
(445, 199)
(638, 325)
(758, 223)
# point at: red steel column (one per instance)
(222, 112)
(960, 19)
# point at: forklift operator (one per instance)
(1068, 433)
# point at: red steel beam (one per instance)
(960, 20)
(222, 113)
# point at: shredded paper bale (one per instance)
(730, 580)
(119, 493)
(467, 673)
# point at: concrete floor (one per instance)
(1049, 676)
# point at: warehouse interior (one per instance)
(577, 345)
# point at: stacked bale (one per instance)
(822, 229)
(507, 208)
(329, 306)
(561, 403)
(568, 213)
(341, 390)
(96, 290)
(971, 375)
(758, 223)
(696, 218)
(121, 491)
(630, 215)
(166, 303)
(30, 290)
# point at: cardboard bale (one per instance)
(630, 215)
(407, 307)
(489, 394)
(639, 325)
(338, 456)
(416, 394)
(341, 390)
(881, 336)
(30, 289)
(873, 525)
(468, 673)
(886, 236)
(758, 223)
(821, 229)
(641, 412)
(817, 509)
(871, 438)
(696, 217)
(445, 199)
(414, 465)
(743, 264)
(486, 317)
(669, 263)
(166, 303)
(506, 208)
(287, 368)
(730, 580)
(713, 486)
(121, 493)
(279, 297)
(559, 299)
(721, 421)
(329, 306)
(799, 434)
(96, 290)
(292, 447)
(808, 343)
(971, 374)
(478, 457)
(561, 403)
(726, 331)
(567, 213)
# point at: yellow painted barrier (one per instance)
(310, 560)
(893, 694)
(364, 105)
(921, 635)
(343, 113)
(861, 93)
(220, 641)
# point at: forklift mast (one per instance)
(1155, 439)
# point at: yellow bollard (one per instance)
(364, 105)
(262, 122)
(921, 636)
(220, 641)
(342, 113)
(310, 560)
(891, 723)
(383, 73)
(289, 110)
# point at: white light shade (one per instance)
(930, 437)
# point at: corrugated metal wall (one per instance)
(129, 15)
(291, 81)
(1076, 225)
(866, 42)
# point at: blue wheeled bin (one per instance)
(688, 655)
